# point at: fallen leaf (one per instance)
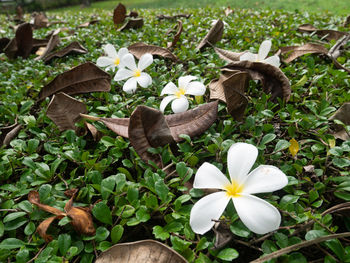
(9, 132)
(133, 23)
(96, 135)
(3, 43)
(133, 14)
(214, 35)
(177, 35)
(44, 225)
(65, 111)
(223, 234)
(53, 42)
(87, 24)
(297, 51)
(322, 33)
(144, 251)
(19, 14)
(336, 51)
(231, 90)
(309, 168)
(228, 11)
(119, 14)
(34, 198)
(343, 115)
(272, 78)
(160, 17)
(148, 128)
(84, 78)
(40, 20)
(294, 147)
(347, 21)
(138, 49)
(22, 44)
(73, 48)
(227, 55)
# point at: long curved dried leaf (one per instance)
(34, 198)
(84, 78)
(119, 14)
(161, 16)
(228, 55)
(214, 35)
(297, 51)
(138, 49)
(22, 44)
(177, 35)
(65, 111)
(343, 115)
(87, 24)
(322, 33)
(132, 23)
(53, 42)
(9, 132)
(272, 78)
(192, 122)
(73, 48)
(144, 251)
(96, 134)
(148, 128)
(43, 226)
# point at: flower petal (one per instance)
(122, 52)
(206, 209)
(145, 61)
(179, 105)
(183, 81)
(273, 60)
(130, 85)
(264, 179)
(166, 101)
(144, 80)
(129, 61)
(258, 215)
(195, 88)
(240, 159)
(110, 51)
(249, 56)
(169, 88)
(264, 49)
(104, 62)
(209, 176)
(123, 73)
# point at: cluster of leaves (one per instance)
(134, 200)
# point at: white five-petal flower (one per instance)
(257, 215)
(177, 94)
(113, 58)
(262, 54)
(134, 73)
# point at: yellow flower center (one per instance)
(180, 92)
(137, 73)
(117, 61)
(234, 189)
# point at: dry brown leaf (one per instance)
(177, 35)
(148, 128)
(228, 11)
(34, 198)
(84, 78)
(44, 225)
(9, 132)
(272, 78)
(87, 24)
(96, 134)
(160, 17)
(144, 251)
(53, 42)
(73, 48)
(119, 14)
(192, 122)
(133, 23)
(228, 55)
(347, 21)
(223, 234)
(322, 33)
(65, 111)
(297, 51)
(336, 51)
(3, 43)
(342, 114)
(22, 44)
(138, 49)
(40, 20)
(214, 35)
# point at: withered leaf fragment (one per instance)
(9, 132)
(272, 78)
(228, 11)
(53, 42)
(148, 128)
(87, 24)
(96, 135)
(177, 35)
(322, 33)
(160, 17)
(342, 114)
(22, 44)
(214, 35)
(133, 23)
(73, 48)
(347, 21)
(3, 43)
(138, 49)
(297, 51)
(144, 251)
(84, 78)
(40, 20)
(228, 55)
(65, 111)
(119, 14)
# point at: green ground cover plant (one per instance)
(134, 200)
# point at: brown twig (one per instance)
(37, 254)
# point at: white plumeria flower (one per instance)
(257, 215)
(134, 73)
(262, 54)
(113, 58)
(177, 94)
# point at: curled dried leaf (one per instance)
(297, 51)
(322, 33)
(96, 135)
(40, 20)
(34, 198)
(160, 17)
(343, 115)
(138, 49)
(228, 55)
(53, 42)
(84, 78)
(65, 111)
(144, 251)
(133, 23)
(9, 132)
(73, 48)
(177, 35)
(22, 44)
(347, 21)
(87, 24)
(43, 226)
(3, 43)
(214, 35)
(119, 14)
